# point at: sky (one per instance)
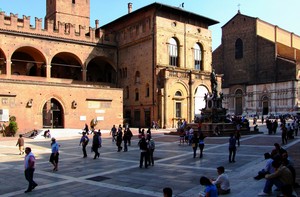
(284, 14)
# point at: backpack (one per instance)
(152, 144)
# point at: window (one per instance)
(238, 49)
(137, 94)
(178, 93)
(73, 1)
(137, 77)
(173, 52)
(198, 56)
(147, 90)
(178, 110)
(127, 92)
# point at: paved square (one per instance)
(118, 173)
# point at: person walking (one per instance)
(283, 134)
(29, 164)
(201, 144)
(54, 157)
(232, 148)
(195, 142)
(96, 144)
(20, 142)
(119, 138)
(84, 142)
(113, 133)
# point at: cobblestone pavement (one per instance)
(118, 173)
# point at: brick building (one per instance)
(62, 76)
(152, 64)
(260, 63)
(164, 63)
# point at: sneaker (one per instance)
(263, 194)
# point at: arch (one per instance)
(53, 114)
(2, 62)
(100, 69)
(265, 104)
(28, 61)
(199, 99)
(173, 52)
(66, 65)
(239, 49)
(238, 95)
(178, 93)
(198, 56)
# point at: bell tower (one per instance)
(76, 12)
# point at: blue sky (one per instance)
(284, 14)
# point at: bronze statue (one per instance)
(214, 83)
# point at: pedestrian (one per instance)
(195, 142)
(201, 144)
(86, 129)
(20, 142)
(283, 134)
(54, 157)
(29, 165)
(119, 138)
(126, 137)
(238, 133)
(222, 182)
(168, 192)
(232, 148)
(130, 135)
(96, 144)
(210, 189)
(151, 149)
(113, 133)
(84, 142)
(144, 152)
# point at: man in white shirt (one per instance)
(268, 169)
(222, 182)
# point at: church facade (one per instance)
(260, 66)
(152, 64)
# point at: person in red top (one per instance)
(29, 164)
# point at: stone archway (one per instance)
(53, 114)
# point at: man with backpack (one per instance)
(151, 150)
(84, 142)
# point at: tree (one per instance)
(13, 126)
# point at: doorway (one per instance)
(53, 115)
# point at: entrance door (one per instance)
(53, 114)
(265, 104)
(147, 119)
(239, 102)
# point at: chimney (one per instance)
(129, 8)
(97, 23)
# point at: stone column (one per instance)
(8, 67)
(48, 71)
